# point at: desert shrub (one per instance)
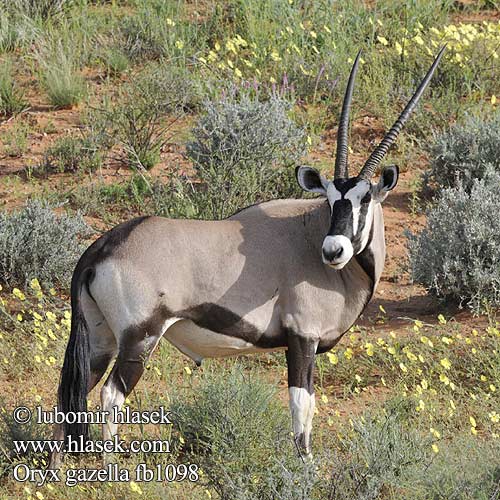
(376, 455)
(465, 152)
(60, 72)
(115, 61)
(237, 430)
(36, 243)
(36, 9)
(16, 139)
(467, 468)
(11, 98)
(243, 151)
(69, 154)
(11, 431)
(145, 110)
(159, 29)
(456, 255)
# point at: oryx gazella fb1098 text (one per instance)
(285, 274)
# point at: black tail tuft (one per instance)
(75, 373)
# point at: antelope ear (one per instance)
(387, 182)
(309, 179)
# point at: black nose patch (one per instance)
(342, 220)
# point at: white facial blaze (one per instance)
(366, 229)
(355, 195)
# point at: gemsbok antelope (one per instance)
(284, 274)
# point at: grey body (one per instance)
(252, 277)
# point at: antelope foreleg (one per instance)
(300, 360)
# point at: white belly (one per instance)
(199, 343)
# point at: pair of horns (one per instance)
(390, 137)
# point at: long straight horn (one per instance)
(341, 158)
(381, 150)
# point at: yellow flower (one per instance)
(445, 362)
(313, 34)
(51, 316)
(382, 40)
(324, 398)
(381, 307)
(179, 44)
(19, 317)
(18, 294)
(435, 448)
(275, 56)
(35, 284)
(435, 433)
(424, 384)
(348, 353)
(411, 356)
(391, 350)
(492, 388)
(39, 495)
(442, 319)
(473, 431)
(135, 487)
(494, 417)
(403, 367)
(452, 404)
(369, 349)
(238, 73)
(443, 378)
(170, 22)
(472, 421)
(493, 99)
(419, 40)
(333, 358)
(358, 378)
(483, 378)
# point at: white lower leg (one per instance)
(302, 406)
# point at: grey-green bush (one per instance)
(467, 468)
(465, 152)
(36, 243)
(238, 431)
(244, 151)
(379, 452)
(456, 256)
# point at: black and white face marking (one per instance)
(351, 203)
